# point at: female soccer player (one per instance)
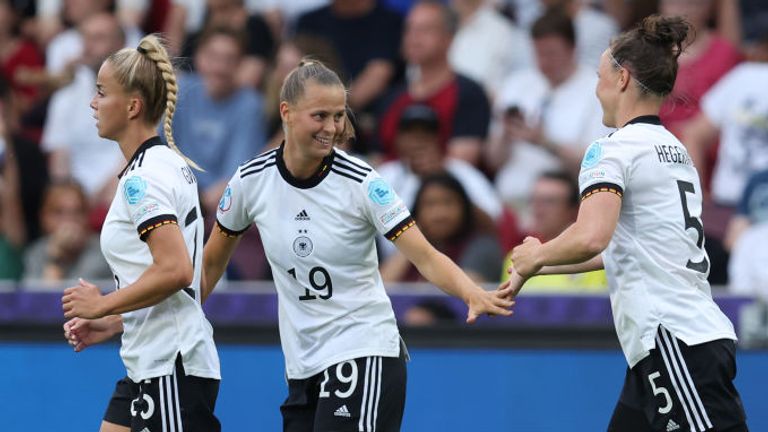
(318, 211)
(641, 207)
(152, 240)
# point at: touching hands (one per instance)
(492, 303)
(526, 257)
(82, 333)
(83, 301)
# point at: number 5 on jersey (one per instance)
(325, 283)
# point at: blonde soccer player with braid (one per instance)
(152, 239)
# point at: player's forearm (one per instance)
(155, 285)
(446, 275)
(575, 245)
(595, 263)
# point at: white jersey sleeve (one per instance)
(604, 168)
(384, 208)
(148, 195)
(232, 214)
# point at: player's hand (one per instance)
(82, 301)
(515, 281)
(525, 257)
(82, 333)
(491, 303)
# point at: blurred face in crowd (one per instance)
(101, 37)
(426, 38)
(7, 17)
(419, 149)
(217, 61)
(63, 205)
(554, 57)
(440, 212)
(551, 207)
(76, 11)
(109, 104)
(315, 122)
(697, 12)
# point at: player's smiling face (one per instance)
(315, 122)
(109, 104)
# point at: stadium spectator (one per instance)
(366, 36)
(420, 155)
(69, 134)
(548, 115)
(594, 29)
(217, 122)
(488, 46)
(68, 248)
(66, 48)
(752, 209)
(444, 213)
(554, 204)
(259, 42)
(18, 56)
(708, 58)
(461, 104)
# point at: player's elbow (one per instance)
(594, 244)
(179, 275)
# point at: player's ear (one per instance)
(135, 107)
(623, 80)
(285, 112)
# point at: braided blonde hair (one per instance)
(148, 71)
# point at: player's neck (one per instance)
(133, 138)
(629, 110)
(298, 164)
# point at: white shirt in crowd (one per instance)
(70, 125)
(738, 105)
(157, 188)
(594, 31)
(67, 47)
(655, 262)
(319, 236)
(570, 114)
(747, 272)
(489, 47)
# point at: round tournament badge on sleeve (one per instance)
(593, 155)
(135, 188)
(380, 192)
(225, 203)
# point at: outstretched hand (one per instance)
(515, 281)
(525, 257)
(490, 303)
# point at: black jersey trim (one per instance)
(602, 187)
(259, 158)
(347, 175)
(339, 164)
(260, 161)
(258, 170)
(226, 232)
(649, 119)
(150, 224)
(322, 171)
(138, 157)
(400, 228)
(191, 217)
(355, 164)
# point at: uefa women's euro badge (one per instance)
(593, 155)
(135, 188)
(226, 200)
(380, 192)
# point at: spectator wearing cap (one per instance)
(460, 103)
(420, 154)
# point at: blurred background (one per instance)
(476, 111)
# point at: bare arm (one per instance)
(582, 241)
(371, 82)
(445, 274)
(736, 227)
(216, 255)
(595, 263)
(170, 271)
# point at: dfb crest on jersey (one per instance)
(225, 203)
(380, 192)
(135, 188)
(593, 155)
(303, 246)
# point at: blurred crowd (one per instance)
(476, 111)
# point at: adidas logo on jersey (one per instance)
(672, 426)
(342, 412)
(302, 216)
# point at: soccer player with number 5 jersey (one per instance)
(640, 219)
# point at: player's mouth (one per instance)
(323, 141)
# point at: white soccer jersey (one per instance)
(656, 264)
(319, 237)
(156, 188)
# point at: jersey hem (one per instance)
(344, 357)
(688, 341)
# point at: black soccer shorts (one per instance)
(363, 394)
(681, 388)
(176, 402)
